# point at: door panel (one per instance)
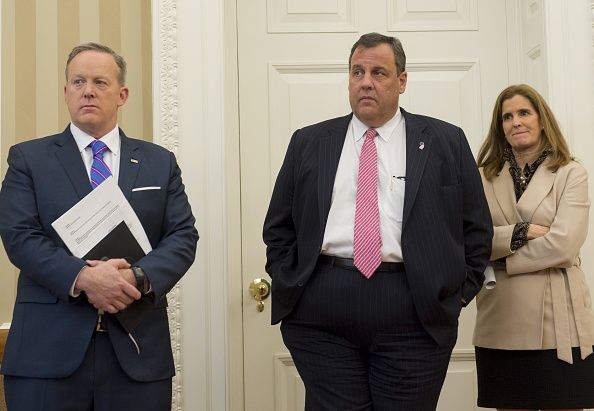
(293, 71)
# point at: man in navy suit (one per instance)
(376, 338)
(66, 349)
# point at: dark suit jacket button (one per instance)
(300, 283)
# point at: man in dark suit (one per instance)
(66, 349)
(377, 235)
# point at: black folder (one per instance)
(120, 243)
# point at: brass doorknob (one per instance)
(260, 290)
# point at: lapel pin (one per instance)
(421, 145)
(133, 160)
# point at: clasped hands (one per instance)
(109, 285)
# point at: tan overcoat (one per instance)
(541, 300)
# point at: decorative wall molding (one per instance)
(309, 67)
(289, 391)
(165, 126)
(288, 386)
(293, 84)
(288, 81)
(462, 354)
(440, 65)
(460, 80)
(165, 76)
(338, 16)
(405, 15)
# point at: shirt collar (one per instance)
(82, 139)
(384, 132)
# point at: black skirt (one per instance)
(533, 379)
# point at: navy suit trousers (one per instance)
(99, 384)
(358, 344)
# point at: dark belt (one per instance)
(101, 326)
(349, 265)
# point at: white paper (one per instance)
(490, 280)
(93, 217)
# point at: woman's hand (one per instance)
(535, 231)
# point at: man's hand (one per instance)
(106, 286)
(128, 275)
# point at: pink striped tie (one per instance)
(367, 242)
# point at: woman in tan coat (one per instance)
(535, 329)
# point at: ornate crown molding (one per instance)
(167, 76)
(165, 63)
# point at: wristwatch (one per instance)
(140, 277)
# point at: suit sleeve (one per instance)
(560, 247)
(502, 235)
(477, 224)
(26, 242)
(502, 238)
(176, 250)
(279, 232)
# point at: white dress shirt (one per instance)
(391, 157)
(111, 156)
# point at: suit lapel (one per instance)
(503, 187)
(330, 149)
(418, 148)
(130, 160)
(539, 187)
(70, 158)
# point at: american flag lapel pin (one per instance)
(421, 145)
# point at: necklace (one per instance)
(523, 179)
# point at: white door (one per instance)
(293, 72)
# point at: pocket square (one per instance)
(146, 188)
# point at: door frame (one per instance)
(191, 89)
